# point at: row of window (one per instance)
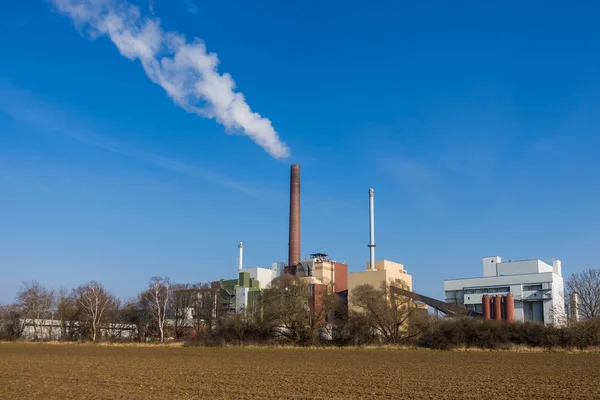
(501, 289)
(452, 294)
(532, 287)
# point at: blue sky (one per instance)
(477, 125)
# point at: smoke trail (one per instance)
(185, 70)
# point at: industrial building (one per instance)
(384, 272)
(320, 269)
(264, 276)
(525, 290)
(323, 274)
(239, 294)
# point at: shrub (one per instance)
(449, 333)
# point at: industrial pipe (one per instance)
(371, 229)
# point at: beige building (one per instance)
(322, 270)
(385, 271)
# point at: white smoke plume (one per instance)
(184, 69)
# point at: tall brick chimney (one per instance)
(294, 243)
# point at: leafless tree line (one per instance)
(87, 312)
(290, 311)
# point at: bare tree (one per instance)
(298, 310)
(158, 294)
(182, 302)
(587, 286)
(66, 312)
(249, 324)
(209, 307)
(138, 312)
(386, 312)
(118, 324)
(93, 304)
(12, 322)
(36, 302)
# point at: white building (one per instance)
(265, 276)
(53, 329)
(537, 287)
(278, 267)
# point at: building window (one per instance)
(469, 291)
(501, 289)
(532, 287)
(478, 291)
(451, 294)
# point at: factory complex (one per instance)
(527, 290)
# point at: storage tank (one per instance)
(485, 301)
(498, 307)
(509, 307)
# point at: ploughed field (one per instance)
(71, 371)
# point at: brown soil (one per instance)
(119, 372)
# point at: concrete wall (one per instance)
(385, 271)
(490, 265)
(523, 267)
(277, 268)
(558, 311)
(373, 278)
(263, 275)
(341, 277)
(324, 271)
(493, 266)
(241, 298)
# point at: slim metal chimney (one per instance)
(371, 229)
(294, 240)
(241, 256)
